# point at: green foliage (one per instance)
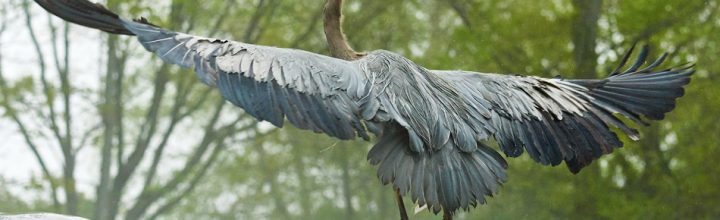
(19, 89)
(10, 202)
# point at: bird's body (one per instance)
(430, 125)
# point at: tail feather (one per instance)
(446, 179)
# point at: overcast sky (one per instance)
(17, 163)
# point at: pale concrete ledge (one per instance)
(39, 216)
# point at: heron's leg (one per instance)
(401, 205)
(447, 215)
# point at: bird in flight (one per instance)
(431, 125)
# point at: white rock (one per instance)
(39, 216)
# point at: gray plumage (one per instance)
(430, 124)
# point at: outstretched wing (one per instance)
(314, 92)
(557, 120)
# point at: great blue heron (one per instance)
(430, 124)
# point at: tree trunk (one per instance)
(108, 110)
(347, 193)
(71, 197)
(305, 204)
(584, 36)
(271, 180)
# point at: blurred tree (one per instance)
(134, 135)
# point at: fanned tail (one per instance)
(445, 179)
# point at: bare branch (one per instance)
(461, 10)
(109, 110)
(359, 24)
(180, 97)
(63, 71)
(271, 9)
(69, 158)
(118, 105)
(103, 189)
(671, 20)
(346, 181)
(146, 198)
(221, 19)
(147, 130)
(171, 203)
(65, 86)
(12, 113)
(309, 29)
(66, 139)
(196, 106)
(47, 91)
(3, 25)
(86, 136)
(226, 131)
(254, 21)
(270, 179)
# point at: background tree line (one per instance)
(162, 145)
